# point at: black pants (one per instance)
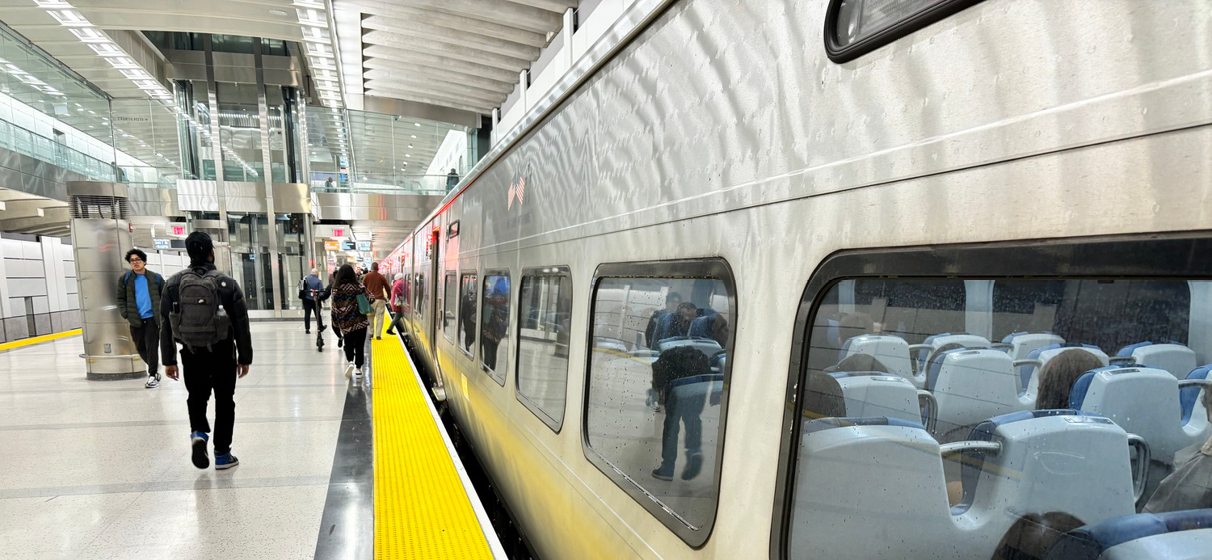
(206, 371)
(312, 306)
(147, 342)
(355, 346)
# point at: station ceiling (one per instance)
(464, 55)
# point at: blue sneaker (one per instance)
(198, 441)
(225, 461)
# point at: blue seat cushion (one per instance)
(1077, 395)
(1089, 542)
(1187, 396)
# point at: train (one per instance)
(784, 280)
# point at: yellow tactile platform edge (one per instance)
(421, 508)
(38, 339)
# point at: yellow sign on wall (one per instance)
(332, 245)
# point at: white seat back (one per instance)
(1144, 401)
(852, 481)
(1051, 461)
(892, 351)
(1021, 344)
(1174, 358)
(868, 394)
(972, 385)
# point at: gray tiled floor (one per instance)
(94, 469)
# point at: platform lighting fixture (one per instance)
(67, 16)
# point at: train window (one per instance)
(947, 412)
(856, 27)
(544, 319)
(656, 398)
(422, 295)
(451, 304)
(467, 313)
(494, 325)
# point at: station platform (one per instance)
(424, 504)
(328, 468)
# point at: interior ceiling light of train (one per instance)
(458, 54)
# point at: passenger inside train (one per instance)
(1006, 411)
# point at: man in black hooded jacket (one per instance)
(208, 368)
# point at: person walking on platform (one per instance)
(139, 303)
(351, 303)
(204, 310)
(397, 304)
(377, 285)
(311, 292)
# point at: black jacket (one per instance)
(232, 300)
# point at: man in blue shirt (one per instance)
(139, 303)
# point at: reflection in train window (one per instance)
(544, 317)
(494, 326)
(656, 389)
(467, 313)
(422, 296)
(941, 410)
(451, 304)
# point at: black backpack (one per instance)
(198, 319)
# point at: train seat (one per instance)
(1193, 412)
(1170, 356)
(856, 474)
(1144, 401)
(1028, 369)
(1178, 535)
(971, 385)
(876, 394)
(1048, 460)
(892, 351)
(924, 353)
(707, 346)
(701, 327)
(1020, 344)
(718, 361)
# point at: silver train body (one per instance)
(725, 132)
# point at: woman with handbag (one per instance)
(351, 303)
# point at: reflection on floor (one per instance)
(93, 469)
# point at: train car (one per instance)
(838, 279)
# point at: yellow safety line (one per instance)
(38, 339)
(421, 508)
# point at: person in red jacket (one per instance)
(398, 297)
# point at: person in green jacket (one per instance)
(139, 303)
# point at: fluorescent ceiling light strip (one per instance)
(66, 14)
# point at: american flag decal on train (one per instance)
(517, 189)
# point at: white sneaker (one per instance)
(357, 373)
(153, 381)
(349, 369)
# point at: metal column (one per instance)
(100, 237)
(267, 174)
(216, 145)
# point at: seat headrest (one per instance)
(1127, 350)
(1089, 542)
(1188, 396)
(822, 424)
(1077, 395)
(1010, 337)
(936, 364)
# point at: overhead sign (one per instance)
(332, 245)
(176, 231)
(347, 246)
(336, 231)
(364, 246)
(163, 243)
